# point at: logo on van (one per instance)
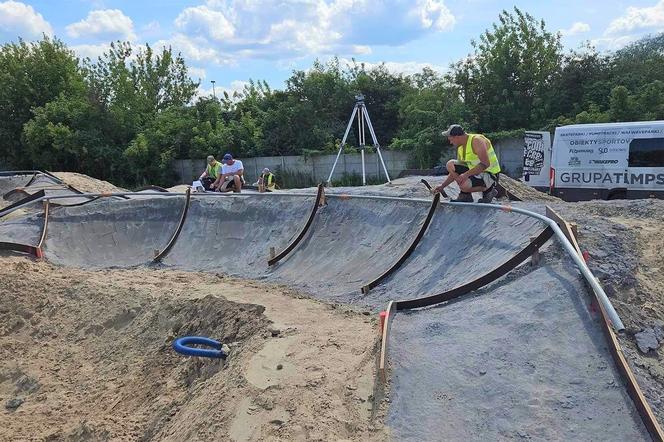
(574, 161)
(582, 151)
(603, 161)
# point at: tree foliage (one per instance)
(505, 80)
(126, 115)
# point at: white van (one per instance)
(608, 161)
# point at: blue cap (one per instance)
(228, 157)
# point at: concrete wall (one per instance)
(509, 151)
(318, 167)
(510, 156)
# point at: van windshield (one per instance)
(646, 152)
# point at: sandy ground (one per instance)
(87, 184)
(525, 192)
(87, 390)
(78, 181)
(86, 356)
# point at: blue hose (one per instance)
(181, 345)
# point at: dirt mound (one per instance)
(524, 192)
(179, 188)
(87, 184)
(87, 355)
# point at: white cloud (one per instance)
(396, 67)
(434, 14)
(205, 21)
(152, 27)
(20, 20)
(91, 51)
(613, 43)
(107, 24)
(195, 49)
(638, 18)
(196, 73)
(361, 49)
(236, 86)
(290, 29)
(576, 28)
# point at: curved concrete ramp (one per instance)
(22, 230)
(461, 244)
(522, 359)
(9, 183)
(111, 233)
(351, 242)
(234, 234)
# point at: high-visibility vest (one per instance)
(213, 171)
(268, 181)
(470, 158)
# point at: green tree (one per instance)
(582, 80)
(31, 75)
(513, 65)
(132, 86)
(64, 135)
(430, 106)
(621, 104)
(651, 101)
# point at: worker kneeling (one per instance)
(210, 175)
(231, 175)
(476, 168)
(266, 182)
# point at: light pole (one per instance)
(214, 94)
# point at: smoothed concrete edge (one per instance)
(633, 389)
(390, 312)
(47, 211)
(35, 196)
(18, 247)
(483, 280)
(456, 292)
(302, 233)
(420, 234)
(161, 255)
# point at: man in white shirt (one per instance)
(231, 174)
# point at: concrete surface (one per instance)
(9, 183)
(22, 230)
(522, 358)
(108, 233)
(234, 234)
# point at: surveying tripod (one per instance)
(360, 110)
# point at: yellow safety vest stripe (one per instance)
(213, 171)
(470, 158)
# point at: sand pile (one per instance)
(87, 184)
(524, 192)
(87, 355)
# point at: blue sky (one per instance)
(231, 41)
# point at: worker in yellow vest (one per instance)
(476, 168)
(266, 181)
(211, 173)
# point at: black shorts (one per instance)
(485, 179)
(207, 182)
